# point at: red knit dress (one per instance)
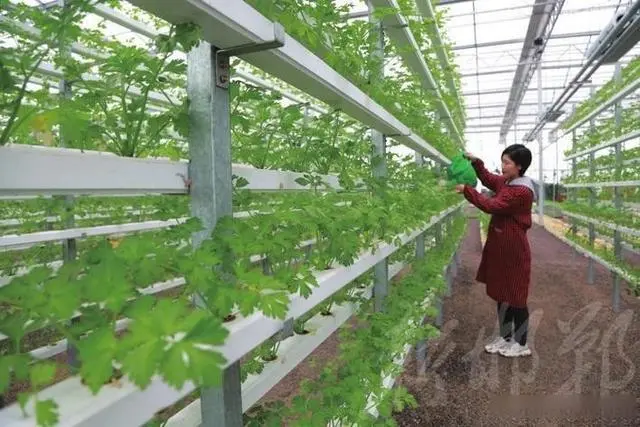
(505, 267)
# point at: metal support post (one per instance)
(211, 189)
(572, 192)
(378, 140)
(438, 233)
(420, 238)
(211, 195)
(617, 238)
(438, 239)
(448, 275)
(69, 246)
(540, 152)
(592, 201)
(421, 346)
(556, 178)
(591, 226)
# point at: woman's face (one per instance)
(509, 169)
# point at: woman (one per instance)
(505, 267)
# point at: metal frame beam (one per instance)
(511, 70)
(494, 125)
(516, 41)
(502, 105)
(543, 19)
(448, 2)
(595, 61)
(496, 91)
(498, 117)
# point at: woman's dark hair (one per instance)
(520, 155)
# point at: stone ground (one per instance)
(584, 367)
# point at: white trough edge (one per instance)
(24, 241)
(28, 170)
(625, 163)
(625, 244)
(31, 239)
(603, 184)
(610, 225)
(12, 222)
(126, 405)
(226, 26)
(291, 352)
(599, 260)
(615, 141)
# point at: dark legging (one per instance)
(514, 322)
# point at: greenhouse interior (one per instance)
(305, 213)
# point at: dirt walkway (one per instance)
(582, 351)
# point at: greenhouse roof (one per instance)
(488, 38)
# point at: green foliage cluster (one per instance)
(86, 300)
(353, 384)
(345, 46)
(629, 74)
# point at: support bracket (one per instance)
(223, 67)
(287, 329)
(393, 135)
(395, 26)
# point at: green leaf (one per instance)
(303, 181)
(42, 374)
(193, 357)
(6, 363)
(188, 35)
(97, 352)
(240, 182)
(141, 363)
(46, 413)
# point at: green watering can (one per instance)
(460, 171)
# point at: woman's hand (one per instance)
(459, 188)
(470, 157)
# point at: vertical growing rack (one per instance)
(622, 177)
(206, 181)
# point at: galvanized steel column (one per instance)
(211, 195)
(617, 238)
(540, 151)
(421, 346)
(378, 140)
(592, 202)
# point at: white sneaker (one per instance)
(514, 349)
(495, 345)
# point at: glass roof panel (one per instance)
(488, 39)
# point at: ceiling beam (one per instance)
(448, 2)
(502, 105)
(511, 70)
(517, 41)
(594, 61)
(543, 18)
(495, 125)
(499, 117)
(496, 91)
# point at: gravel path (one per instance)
(585, 367)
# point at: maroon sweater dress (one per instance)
(505, 267)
